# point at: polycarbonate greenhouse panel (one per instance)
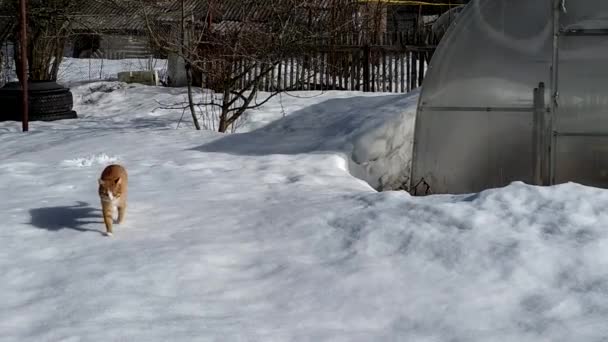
(583, 84)
(582, 158)
(494, 56)
(475, 123)
(584, 14)
(496, 147)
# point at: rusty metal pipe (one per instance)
(24, 72)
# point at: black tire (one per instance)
(51, 102)
(48, 101)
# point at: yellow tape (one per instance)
(411, 2)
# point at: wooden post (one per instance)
(421, 62)
(298, 80)
(402, 58)
(357, 66)
(408, 58)
(366, 70)
(251, 73)
(341, 71)
(334, 67)
(352, 58)
(373, 75)
(384, 70)
(279, 77)
(303, 72)
(291, 70)
(315, 69)
(391, 71)
(24, 65)
(322, 70)
(414, 70)
(327, 71)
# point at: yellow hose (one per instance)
(411, 2)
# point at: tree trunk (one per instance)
(190, 100)
(224, 123)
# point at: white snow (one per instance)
(73, 71)
(78, 70)
(373, 132)
(266, 235)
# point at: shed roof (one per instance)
(129, 15)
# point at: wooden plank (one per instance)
(236, 71)
(407, 70)
(402, 59)
(285, 83)
(291, 70)
(267, 77)
(304, 72)
(315, 68)
(321, 68)
(250, 75)
(341, 72)
(352, 58)
(333, 71)
(398, 58)
(414, 70)
(384, 70)
(373, 74)
(390, 73)
(259, 76)
(298, 79)
(328, 70)
(280, 76)
(271, 79)
(378, 71)
(421, 70)
(242, 72)
(366, 72)
(262, 77)
(254, 76)
(357, 65)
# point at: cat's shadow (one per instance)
(74, 217)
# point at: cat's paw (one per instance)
(108, 234)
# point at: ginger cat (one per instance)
(113, 193)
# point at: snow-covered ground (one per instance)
(267, 236)
(373, 132)
(79, 70)
(74, 70)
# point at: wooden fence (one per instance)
(385, 64)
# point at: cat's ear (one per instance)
(100, 181)
(118, 181)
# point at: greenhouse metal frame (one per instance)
(516, 91)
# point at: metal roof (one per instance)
(130, 15)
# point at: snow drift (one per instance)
(266, 236)
(373, 132)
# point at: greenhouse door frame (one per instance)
(550, 135)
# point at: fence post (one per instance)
(291, 71)
(421, 62)
(279, 77)
(414, 72)
(366, 61)
(383, 84)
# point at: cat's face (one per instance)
(110, 189)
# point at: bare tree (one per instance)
(232, 46)
(49, 26)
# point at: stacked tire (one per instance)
(48, 101)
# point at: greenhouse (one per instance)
(516, 91)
